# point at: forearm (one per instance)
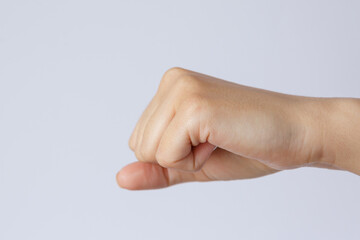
(341, 133)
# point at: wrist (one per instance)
(338, 131)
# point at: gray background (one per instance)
(76, 75)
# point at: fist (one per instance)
(200, 128)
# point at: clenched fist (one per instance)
(200, 128)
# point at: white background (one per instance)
(76, 75)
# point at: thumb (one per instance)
(222, 165)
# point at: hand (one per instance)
(200, 128)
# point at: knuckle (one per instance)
(139, 156)
(162, 161)
(188, 83)
(198, 113)
(144, 154)
(133, 139)
(172, 73)
(140, 153)
(189, 91)
(148, 152)
(131, 143)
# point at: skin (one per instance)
(201, 128)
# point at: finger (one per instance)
(153, 131)
(136, 135)
(181, 145)
(163, 89)
(222, 165)
(132, 139)
(140, 133)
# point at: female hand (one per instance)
(200, 128)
